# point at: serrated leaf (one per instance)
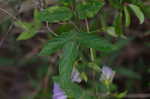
(127, 16)
(89, 9)
(138, 12)
(96, 42)
(55, 14)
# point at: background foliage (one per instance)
(42, 40)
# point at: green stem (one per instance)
(91, 50)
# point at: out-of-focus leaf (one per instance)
(118, 24)
(94, 67)
(146, 10)
(89, 9)
(128, 73)
(6, 61)
(127, 16)
(66, 2)
(138, 12)
(121, 95)
(55, 14)
(115, 3)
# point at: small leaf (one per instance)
(111, 31)
(55, 14)
(23, 25)
(89, 9)
(29, 30)
(138, 12)
(26, 35)
(127, 17)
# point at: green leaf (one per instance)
(89, 9)
(29, 30)
(26, 35)
(127, 17)
(118, 24)
(55, 14)
(54, 45)
(67, 60)
(111, 31)
(57, 43)
(138, 12)
(121, 95)
(65, 68)
(94, 41)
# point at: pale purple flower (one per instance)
(107, 74)
(58, 93)
(75, 76)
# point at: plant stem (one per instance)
(91, 50)
(50, 30)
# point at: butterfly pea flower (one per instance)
(58, 93)
(75, 76)
(107, 74)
